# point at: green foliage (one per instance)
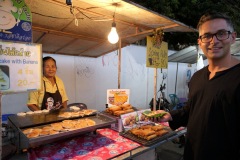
(189, 12)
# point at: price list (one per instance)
(20, 67)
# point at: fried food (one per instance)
(47, 128)
(89, 111)
(44, 133)
(120, 109)
(90, 122)
(126, 106)
(136, 131)
(27, 131)
(53, 132)
(33, 134)
(151, 137)
(65, 115)
(149, 132)
(57, 126)
(161, 132)
(67, 125)
(83, 123)
(114, 108)
(146, 127)
(118, 113)
(78, 126)
(37, 130)
(157, 127)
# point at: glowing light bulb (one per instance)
(113, 35)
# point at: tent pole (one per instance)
(119, 63)
(155, 89)
(176, 80)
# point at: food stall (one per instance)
(86, 133)
(47, 31)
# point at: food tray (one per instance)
(24, 142)
(111, 115)
(145, 142)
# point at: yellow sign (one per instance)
(157, 55)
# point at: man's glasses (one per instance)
(220, 35)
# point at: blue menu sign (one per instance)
(15, 21)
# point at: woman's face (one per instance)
(49, 68)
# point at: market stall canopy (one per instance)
(81, 29)
(190, 54)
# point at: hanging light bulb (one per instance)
(113, 35)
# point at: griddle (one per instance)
(38, 121)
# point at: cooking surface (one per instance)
(39, 119)
(100, 120)
(22, 123)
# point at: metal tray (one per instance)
(40, 119)
(24, 142)
(145, 142)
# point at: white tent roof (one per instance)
(189, 54)
(54, 25)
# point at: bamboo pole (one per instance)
(155, 89)
(119, 63)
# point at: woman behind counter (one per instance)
(52, 95)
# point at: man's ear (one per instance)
(199, 41)
(234, 36)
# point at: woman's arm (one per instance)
(64, 104)
(33, 100)
(33, 107)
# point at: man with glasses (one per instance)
(212, 114)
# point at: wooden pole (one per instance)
(119, 63)
(155, 89)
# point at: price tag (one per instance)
(20, 67)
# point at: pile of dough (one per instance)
(21, 114)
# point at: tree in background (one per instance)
(189, 12)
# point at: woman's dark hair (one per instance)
(47, 58)
(214, 15)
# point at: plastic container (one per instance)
(5, 118)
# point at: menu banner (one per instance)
(116, 97)
(15, 21)
(20, 67)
